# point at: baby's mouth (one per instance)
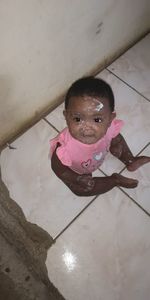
(87, 139)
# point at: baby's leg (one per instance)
(120, 149)
(86, 181)
(138, 162)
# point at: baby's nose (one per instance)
(87, 126)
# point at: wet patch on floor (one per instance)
(23, 251)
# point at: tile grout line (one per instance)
(147, 145)
(134, 201)
(73, 220)
(44, 119)
(127, 84)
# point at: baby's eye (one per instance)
(77, 119)
(98, 120)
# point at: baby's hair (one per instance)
(90, 86)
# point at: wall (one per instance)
(47, 44)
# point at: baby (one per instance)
(92, 132)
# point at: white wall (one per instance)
(47, 44)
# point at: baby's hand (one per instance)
(86, 181)
(124, 181)
(137, 162)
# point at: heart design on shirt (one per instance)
(86, 164)
(98, 156)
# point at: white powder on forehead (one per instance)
(99, 106)
(92, 104)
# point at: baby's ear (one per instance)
(113, 115)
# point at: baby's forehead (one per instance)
(88, 101)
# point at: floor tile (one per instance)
(141, 194)
(134, 66)
(105, 253)
(134, 110)
(56, 118)
(26, 171)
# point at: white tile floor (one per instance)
(102, 248)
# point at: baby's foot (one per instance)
(138, 162)
(126, 182)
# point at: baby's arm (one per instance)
(120, 149)
(86, 185)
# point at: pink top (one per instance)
(84, 158)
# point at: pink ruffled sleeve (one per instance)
(61, 151)
(114, 128)
(63, 155)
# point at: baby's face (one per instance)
(88, 118)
